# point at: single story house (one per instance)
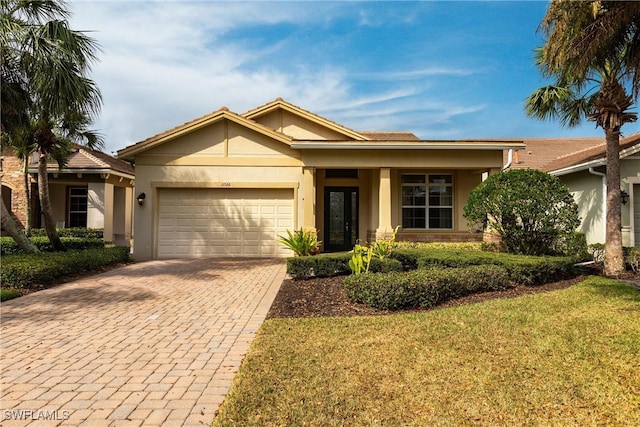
(229, 184)
(92, 190)
(580, 164)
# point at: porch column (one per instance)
(384, 205)
(100, 208)
(309, 199)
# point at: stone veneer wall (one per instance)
(11, 176)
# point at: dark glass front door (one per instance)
(340, 218)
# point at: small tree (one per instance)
(530, 210)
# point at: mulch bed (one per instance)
(326, 298)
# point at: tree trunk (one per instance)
(27, 196)
(45, 204)
(9, 225)
(614, 259)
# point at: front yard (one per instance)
(568, 357)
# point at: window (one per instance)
(427, 201)
(77, 207)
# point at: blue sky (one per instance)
(443, 70)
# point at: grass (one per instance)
(570, 357)
(6, 294)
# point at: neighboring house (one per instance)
(92, 190)
(580, 164)
(228, 184)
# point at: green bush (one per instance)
(305, 267)
(8, 246)
(530, 210)
(522, 269)
(424, 287)
(7, 294)
(573, 245)
(597, 252)
(88, 233)
(24, 271)
(385, 265)
(632, 258)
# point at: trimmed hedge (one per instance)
(424, 287)
(330, 265)
(88, 233)
(522, 269)
(24, 271)
(8, 246)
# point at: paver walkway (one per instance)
(154, 343)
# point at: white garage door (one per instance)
(202, 222)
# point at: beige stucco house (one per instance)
(228, 184)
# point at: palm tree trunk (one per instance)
(614, 259)
(45, 204)
(27, 195)
(10, 226)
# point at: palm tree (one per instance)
(45, 64)
(596, 92)
(605, 26)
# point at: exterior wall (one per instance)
(587, 190)
(11, 177)
(297, 127)
(630, 182)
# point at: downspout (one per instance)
(509, 160)
(604, 198)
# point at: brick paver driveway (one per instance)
(155, 343)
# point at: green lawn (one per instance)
(570, 357)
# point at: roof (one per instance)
(86, 159)
(542, 151)
(353, 139)
(591, 154)
(389, 136)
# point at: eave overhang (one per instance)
(67, 171)
(408, 145)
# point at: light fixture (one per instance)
(624, 196)
(141, 198)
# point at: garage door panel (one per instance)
(223, 222)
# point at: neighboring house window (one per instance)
(77, 207)
(427, 201)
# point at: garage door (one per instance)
(204, 222)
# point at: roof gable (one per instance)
(199, 123)
(274, 114)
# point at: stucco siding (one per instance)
(587, 191)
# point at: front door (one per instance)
(340, 218)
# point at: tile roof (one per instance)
(542, 151)
(389, 136)
(84, 158)
(588, 154)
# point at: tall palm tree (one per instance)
(595, 92)
(46, 63)
(605, 26)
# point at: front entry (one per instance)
(340, 218)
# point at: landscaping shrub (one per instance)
(87, 233)
(385, 265)
(301, 242)
(597, 252)
(23, 270)
(573, 245)
(8, 246)
(424, 287)
(530, 210)
(522, 269)
(632, 259)
(305, 267)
